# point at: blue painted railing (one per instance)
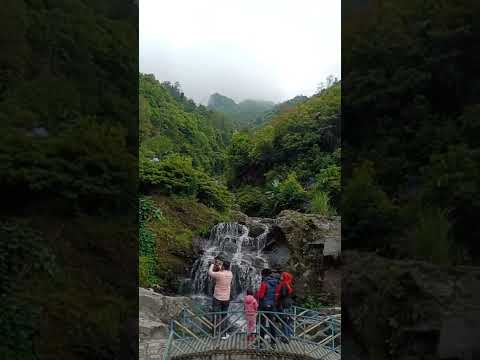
(195, 331)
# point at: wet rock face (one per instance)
(296, 242)
(311, 239)
(278, 256)
(405, 309)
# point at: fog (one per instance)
(263, 49)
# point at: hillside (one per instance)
(292, 162)
(278, 108)
(194, 169)
(244, 114)
(170, 124)
(182, 159)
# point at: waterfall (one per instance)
(244, 252)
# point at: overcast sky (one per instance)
(244, 49)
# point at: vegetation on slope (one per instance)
(291, 162)
(245, 114)
(412, 189)
(182, 160)
(68, 168)
(168, 226)
(278, 108)
(172, 124)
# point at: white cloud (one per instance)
(264, 49)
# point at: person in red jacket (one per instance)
(284, 302)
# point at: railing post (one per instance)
(214, 324)
(333, 334)
(166, 352)
(294, 321)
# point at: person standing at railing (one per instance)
(250, 307)
(284, 301)
(266, 297)
(221, 294)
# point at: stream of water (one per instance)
(232, 241)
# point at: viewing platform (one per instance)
(200, 335)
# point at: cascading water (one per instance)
(233, 243)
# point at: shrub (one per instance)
(320, 204)
(212, 193)
(251, 199)
(430, 239)
(329, 181)
(173, 174)
(366, 210)
(287, 194)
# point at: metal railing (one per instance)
(300, 331)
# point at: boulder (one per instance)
(155, 313)
(150, 329)
(302, 231)
(256, 226)
(303, 241)
(403, 309)
(160, 308)
(239, 217)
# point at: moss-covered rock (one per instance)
(182, 219)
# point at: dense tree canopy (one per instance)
(298, 144)
(68, 170)
(172, 124)
(412, 107)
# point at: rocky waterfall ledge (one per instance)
(297, 243)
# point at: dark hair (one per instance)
(249, 292)
(266, 272)
(226, 265)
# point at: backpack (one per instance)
(269, 298)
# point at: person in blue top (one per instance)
(267, 301)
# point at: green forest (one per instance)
(197, 164)
(411, 132)
(68, 170)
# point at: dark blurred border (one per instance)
(68, 179)
(411, 184)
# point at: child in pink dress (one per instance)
(251, 307)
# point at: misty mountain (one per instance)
(244, 114)
(284, 106)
